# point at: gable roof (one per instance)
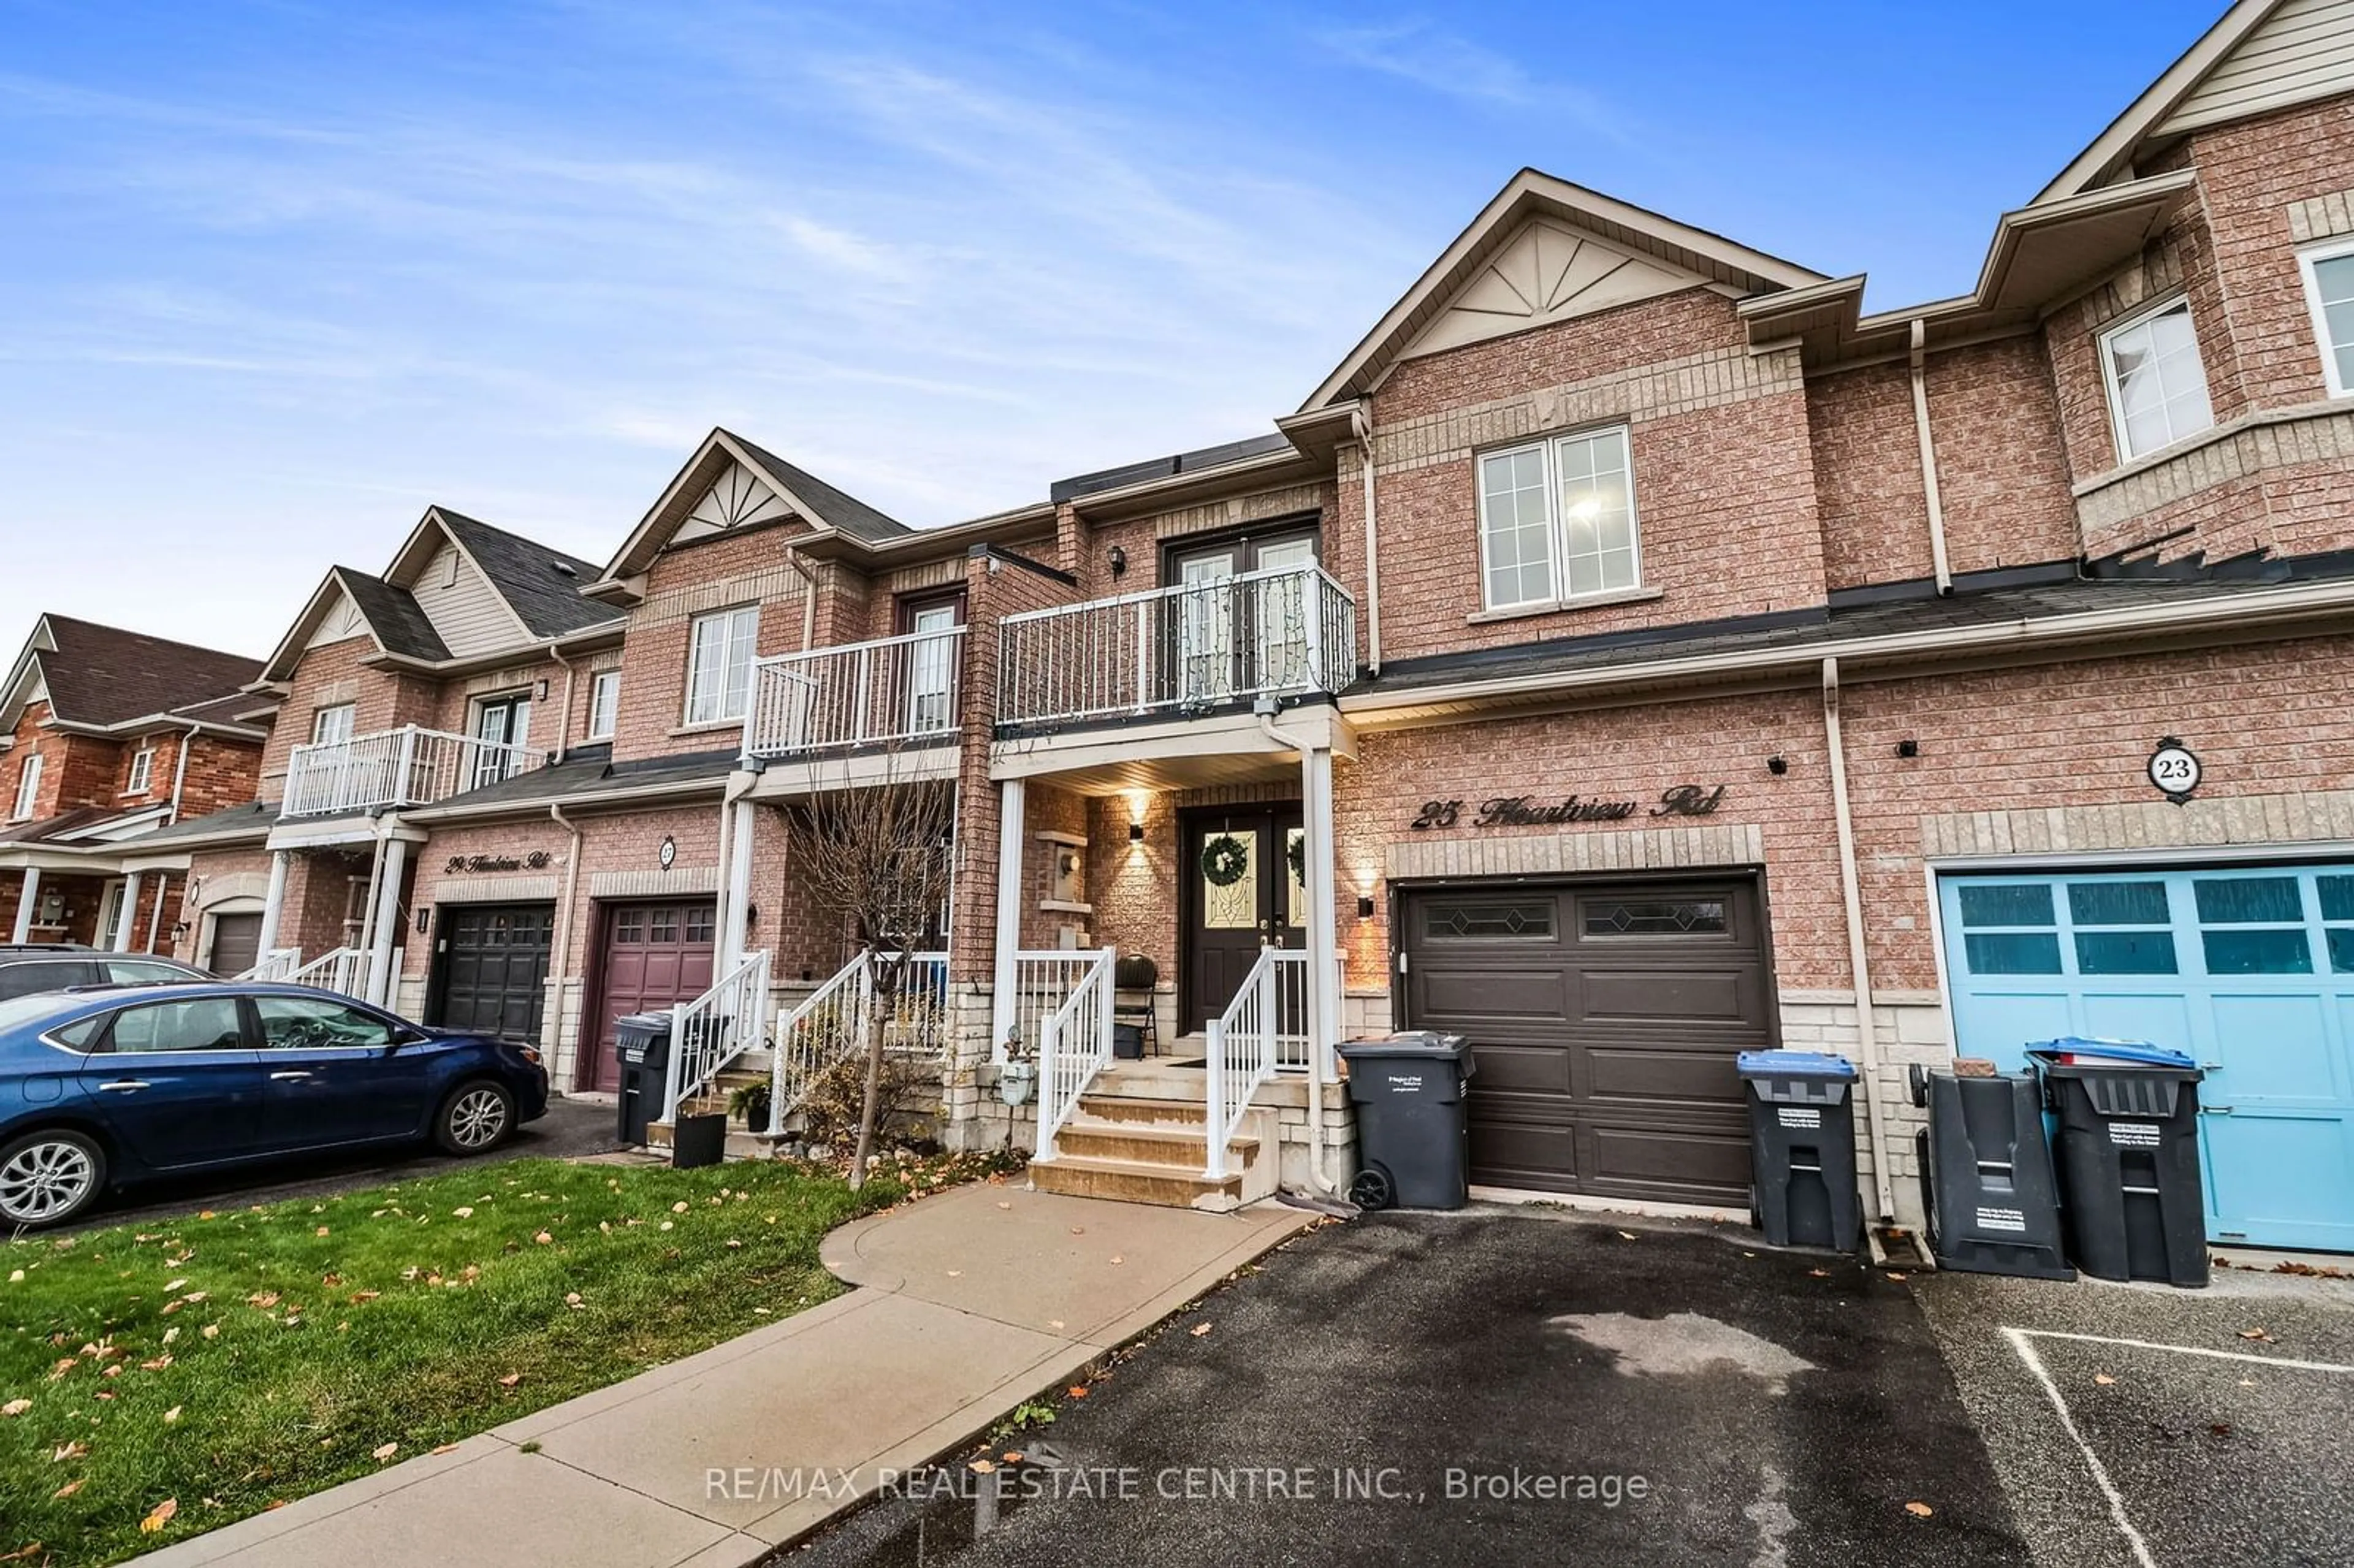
(827, 510)
(541, 584)
(1530, 195)
(105, 675)
(2259, 56)
(394, 617)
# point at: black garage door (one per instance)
(490, 960)
(1603, 1019)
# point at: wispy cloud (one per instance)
(1436, 58)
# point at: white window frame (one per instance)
(741, 625)
(142, 777)
(1547, 447)
(319, 722)
(2115, 390)
(28, 787)
(604, 704)
(2329, 250)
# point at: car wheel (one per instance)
(475, 1119)
(48, 1177)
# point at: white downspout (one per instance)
(562, 957)
(180, 770)
(1929, 489)
(1363, 429)
(155, 916)
(564, 718)
(1858, 965)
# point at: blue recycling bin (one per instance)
(2132, 1201)
(1802, 1148)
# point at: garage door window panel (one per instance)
(1657, 917)
(2122, 929)
(1530, 920)
(2261, 926)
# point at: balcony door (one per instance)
(1225, 641)
(499, 722)
(930, 663)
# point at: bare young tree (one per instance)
(875, 855)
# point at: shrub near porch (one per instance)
(162, 1380)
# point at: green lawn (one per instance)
(225, 1362)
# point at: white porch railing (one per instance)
(1074, 1045)
(346, 971)
(830, 1026)
(1245, 1042)
(892, 690)
(275, 966)
(1284, 632)
(715, 1028)
(1042, 980)
(394, 768)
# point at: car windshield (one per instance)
(17, 1010)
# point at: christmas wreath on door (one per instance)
(1226, 860)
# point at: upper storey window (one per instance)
(2157, 388)
(1557, 521)
(28, 786)
(719, 664)
(2329, 290)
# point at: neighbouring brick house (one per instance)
(1633, 652)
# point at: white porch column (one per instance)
(380, 987)
(1323, 944)
(736, 936)
(274, 903)
(129, 917)
(25, 898)
(1001, 1011)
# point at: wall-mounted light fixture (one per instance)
(1365, 905)
(1777, 766)
(424, 918)
(1119, 559)
(1136, 832)
(751, 916)
(1908, 746)
(543, 688)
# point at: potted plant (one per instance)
(752, 1101)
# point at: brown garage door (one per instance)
(656, 955)
(1603, 1019)
(236, 943)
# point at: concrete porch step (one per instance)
(740, 1144)
(1177, 1146)
(1135, 1181)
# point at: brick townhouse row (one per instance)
(1633, 652)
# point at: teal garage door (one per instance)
(2249, 969)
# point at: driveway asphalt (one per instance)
(2138, 1425)
(1497, 1386)
(570, 1129)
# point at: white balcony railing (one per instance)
(1285, 632)
(394, 768)
(892, 691)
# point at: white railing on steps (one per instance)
(274, 966)
(1043, 979)
(346, 971)
(715, 1028)
(1074, 1045)
(1246, 1043)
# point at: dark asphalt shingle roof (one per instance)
(845, 513)
(103, 674)
(591, 771)
(257, 817)
(393, 613)
(540, 584)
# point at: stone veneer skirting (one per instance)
(1460, 853)
(1684, 385)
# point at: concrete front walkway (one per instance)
(967, 1304)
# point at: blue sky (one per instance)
(277, 276)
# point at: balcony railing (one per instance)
(891, 691)
(1284, 632)
(395, 767)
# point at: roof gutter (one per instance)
(2239, 610)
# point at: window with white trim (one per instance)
(332, 723)
(28, 786)
(604, 704)
(2157, 385)
(719, 664)
(2329, 295)
(1557, 521)
(143, 772)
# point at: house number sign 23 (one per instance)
(2174, 769)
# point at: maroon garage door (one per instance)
(656, 955)
(1603, 1019)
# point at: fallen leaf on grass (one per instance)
(265, 1299)
(359, 1297)
(160, 1516)
(158, 1364)
(212, 1330)
(22, 1552)
(69, 1488)
(16, 1408)
(543, 1238)
(384, 1451)
(1198, 1329)
(171, 1333)
(15, 1276)
(175, 1286)
(171, 1414)
(510, 1380)
(1919, 1509)
(679, 1207)
(207, 1214)
(273, 1505)
(465, 1212)
(322, 1231)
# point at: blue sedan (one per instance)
(110, 1084)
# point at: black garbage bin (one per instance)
(2132, 1205)
(1802, 1148)
(1412, 1146)
(641, 1046)
(1986, 1175)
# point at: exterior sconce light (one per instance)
(1908, 746)
(1136, 832)
(1364, 906)
(424, 918)
(1777, 766)
(751, 916)
(542, 689)
(1119, 559)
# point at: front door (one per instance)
(490, 968)
(656, 955)
(1242, 890)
